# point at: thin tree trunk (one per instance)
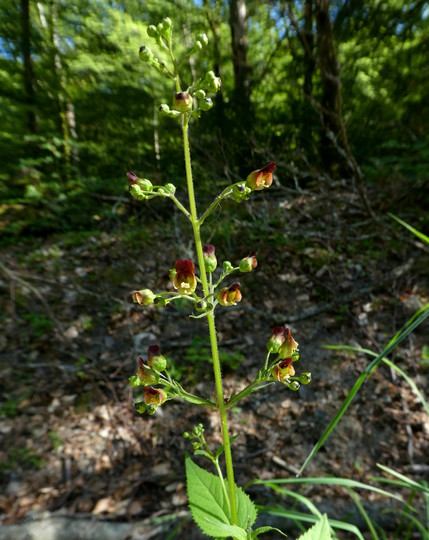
(28, 68)
(331, 92)
(242, 91)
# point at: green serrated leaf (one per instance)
(319, 531)
(262, 530)
(210, 508)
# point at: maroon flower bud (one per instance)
(182, 102)
(133, 178)
(276, 339)
(210, 261)
(248, 263)
(284, 370)
(261, 178)
(229, 296)
(144, 297)
(146, 375)
(289, 346)
(154, 396)
(155, 359)
(184, 279)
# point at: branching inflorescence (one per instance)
(206, 290)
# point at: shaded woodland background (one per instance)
(337, 94)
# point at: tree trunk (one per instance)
(331, 91)
(243, 117)
(28, 68)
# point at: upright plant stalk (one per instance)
(212, 328)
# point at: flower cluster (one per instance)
(286, 349)
(148, 375)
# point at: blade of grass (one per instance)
(415, 321)
(364, 514)
(389, 363)
(412, 484)
(419, 234)
(342, 482)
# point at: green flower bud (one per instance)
(200, 94)
(294, 385)
(164, 28)
(212, 83)
(160, 301)
(136, 192)
(145, 184)
(152, 31)
(165, 110)
(182, 102)
(248, 263)
(155, 359)
(210, 261)
(134, 381)
(145, 54)
(276, 339)
(144, 297)
(305, 378)
(227, 266)
(240, 192)
(206, 104)
(201, 306)
(171, 188)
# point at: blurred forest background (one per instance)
(336, 93)
(324, 89)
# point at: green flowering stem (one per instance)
(180, 206)
(254, 386)
(211, 322)
(224, 275)
(225, 193)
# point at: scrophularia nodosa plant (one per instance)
(218, 505)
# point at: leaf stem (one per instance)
(211, 322)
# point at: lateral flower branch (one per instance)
(204, 282)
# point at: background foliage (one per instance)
(78, 109)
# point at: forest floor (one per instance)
(76, 456)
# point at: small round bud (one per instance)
(182, 102)
(145, 184)
(201, 306)
(212, 83)
(152, 31)
(145, 54)
(294, 385)
(227, 266)
(144, 297)
(210, 260)
(171, 188)
(206, 104)
(240, 192)
(305, 378)
(160, 301)
(155, 359)
(249, 263)
(164, 110)
(200, 94)
(276, 339)
(136, 192)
